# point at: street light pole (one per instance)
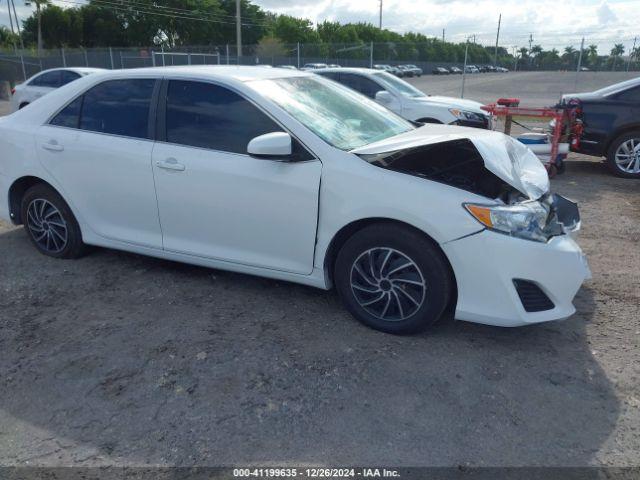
(380, 22)
(464, 69)
(495, 58)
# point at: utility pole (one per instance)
(17, 25)
(380, 23)
(530, 57)
(575, 85)
(495, 58)
(238, 31)
(633, 49)
(443, 35)
(15, 49)
(515, 59)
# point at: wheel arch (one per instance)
(352, 228)
(429, 120)
(16, 192)
(618, 132)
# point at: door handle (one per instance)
(170, 164)
(53, 146)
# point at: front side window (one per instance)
(118, 107)
(49, 80)
(401, 86)
(336, 114)
(361, 84)
(209, 116)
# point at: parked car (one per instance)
(610, 122)
(502, 69)
(389, 69)
(417, 71)
(471, 69)
(314, 66)
(409, 102)
(440, 71)
(333, 65)
(455, 70)
(406, 71)
(279, 173)
(44, 82)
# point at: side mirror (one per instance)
(270, 145)
(384, 97)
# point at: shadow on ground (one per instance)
(121, 359)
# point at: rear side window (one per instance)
(49, 79)
(69, 116)
(118, 107)
(209, 116)
(631, 95)
(68, 77)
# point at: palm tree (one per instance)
(616, 51)
(592, 54)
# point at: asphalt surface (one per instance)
(533, 88)
(119, 359)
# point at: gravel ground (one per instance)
(118, 359)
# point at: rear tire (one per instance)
(623, 156)
(393, 278)
(22, 105)
(50, 224)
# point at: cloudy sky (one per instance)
(553, 23)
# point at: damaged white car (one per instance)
(290, 176)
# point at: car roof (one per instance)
(234, 72)
(349, 70)
(72, 69)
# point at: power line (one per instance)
(116, 7)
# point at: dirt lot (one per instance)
(118, 359)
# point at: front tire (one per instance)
(50, 224)
(623, 156)
(393, 278)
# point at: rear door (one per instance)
(98, 148)
(218, 202)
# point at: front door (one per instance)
(216, 201)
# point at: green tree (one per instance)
(7, 38)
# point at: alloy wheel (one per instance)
(387, 284)
(628, 156)
(47, 226)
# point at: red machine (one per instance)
(567, 127)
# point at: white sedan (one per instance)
(44, 82)
(407, 101)
(288, 175)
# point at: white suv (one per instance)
(44, 82)
(407, 101)
(287, 175)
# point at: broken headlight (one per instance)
(526, 220)
(466, 115)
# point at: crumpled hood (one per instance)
(503, 156)
(451, 102)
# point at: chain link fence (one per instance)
(18, 65)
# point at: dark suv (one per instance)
(610, 125)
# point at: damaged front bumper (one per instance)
(508, 281)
